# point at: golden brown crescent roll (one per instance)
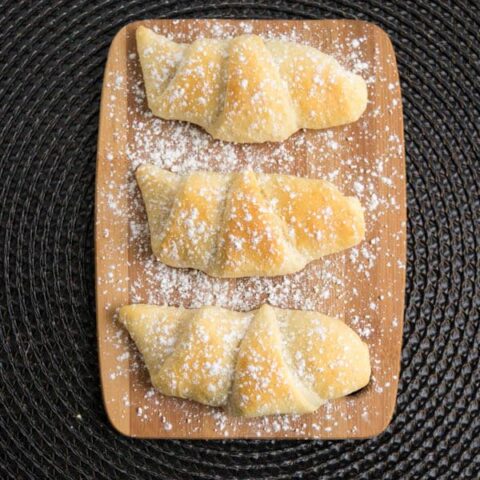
(246, 224)
(245, 89)
(263, 362)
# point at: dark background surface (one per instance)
(52, 422)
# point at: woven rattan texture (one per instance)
(52, 422)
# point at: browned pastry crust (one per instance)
(267, 361)
(246, 224)
(245, 89)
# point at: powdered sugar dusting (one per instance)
(356, 284)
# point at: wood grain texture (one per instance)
(361, 415)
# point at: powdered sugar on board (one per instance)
(364, 159)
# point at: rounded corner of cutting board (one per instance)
(120, 425)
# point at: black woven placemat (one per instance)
(52, 422)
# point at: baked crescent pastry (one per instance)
(246, 224)
(246, 89)
(263, 362)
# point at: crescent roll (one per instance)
(264, 362)
(246, 89)
(246, 224)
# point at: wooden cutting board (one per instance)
(364, 285)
